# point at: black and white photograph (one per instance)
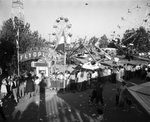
(74, 60)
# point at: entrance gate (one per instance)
(46, 64)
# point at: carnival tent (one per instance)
(140, 96)
(91, 66)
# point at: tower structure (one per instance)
(18, 10)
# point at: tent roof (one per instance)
(141, 93)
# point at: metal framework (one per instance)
(18, 10)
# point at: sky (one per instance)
(96, 18)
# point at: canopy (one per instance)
(89, 66)
(140, 95)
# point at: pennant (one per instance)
(61, 44)
(68, 41)
(17, 38)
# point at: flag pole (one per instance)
(18, 53)
(64, 62)
(64, 69)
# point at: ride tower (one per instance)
(18, 20)
(18, 10)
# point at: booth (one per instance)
(51, 74)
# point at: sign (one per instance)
(41, 64)
(42, 67)
(40, 70)
(40, 48)
(36, 55)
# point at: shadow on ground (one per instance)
(69, 107)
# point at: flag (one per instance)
(68, 41)
(97, 44)
(61, 44)
(17, 38)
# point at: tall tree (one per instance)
(11, 33)
(103, 41)
(139, 38)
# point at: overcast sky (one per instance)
(95, 19)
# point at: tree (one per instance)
(7, 50)
(140, 39)
(8, 41)
(103, 42)
(93, 40)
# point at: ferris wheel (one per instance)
(61, 25)
(135, 18)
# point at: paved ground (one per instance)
(69, 107)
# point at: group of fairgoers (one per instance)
(18, 87)
(29, 84)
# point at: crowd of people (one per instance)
(28, 84)
(17, 87)
(81, 79)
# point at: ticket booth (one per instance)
(41, 67)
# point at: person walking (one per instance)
(4, 88)
(121, 95)
(29, 85)
(37, 87)
(21, 87)
(99, 95)
(79, 80)
(14, 89)
(73, 82)
(42, 84)
(9, 80)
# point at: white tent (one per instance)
(88, 65)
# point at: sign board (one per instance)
(42, 66)
(40, 70)
(37, 54)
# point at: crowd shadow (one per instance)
(66, 108)
(34, 111)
